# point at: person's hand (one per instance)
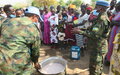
(75, 30)
(37, 66)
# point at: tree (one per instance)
(20, 5)
(69, 2)
(40, 3)
(94, 0)
(62, 3)
(77, 2)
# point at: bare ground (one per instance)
(74, 67)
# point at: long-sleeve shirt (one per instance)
(99, 29)
(20, 36)
(98, 33)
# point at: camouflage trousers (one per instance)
(96, 63)
(96, 57)
(18, 64)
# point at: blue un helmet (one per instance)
(103, 3)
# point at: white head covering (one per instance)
(32, 10)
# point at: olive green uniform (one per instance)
(19, 45)
(98, 35)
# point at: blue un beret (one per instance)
(103, 3)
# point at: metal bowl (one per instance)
(52, 61)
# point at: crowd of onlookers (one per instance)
(56, 24)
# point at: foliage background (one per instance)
(42, 3)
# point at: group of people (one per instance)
(23, 30)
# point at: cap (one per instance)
(103, 3)
(32, 10)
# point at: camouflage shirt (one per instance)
(99, 29)
(20, 35)
(98, 33)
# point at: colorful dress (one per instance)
(53, 28)
(46, 34)
(114, 31)
(115, 58)
(69, 36)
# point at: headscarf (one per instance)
(72, 6)
(89, 8)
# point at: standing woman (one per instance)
(70, 38)
(115, 58)
(53, 28)
(115, 29)
(46, 35)
(82, 21)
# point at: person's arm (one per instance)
(35, 46)
(90, 34)
(93, 33)
(58, 35)
(56, 19)
(35, 50)
(33, 42)
(86, 17)
(80, 23)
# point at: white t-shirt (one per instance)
(81, 19)
(70, 18)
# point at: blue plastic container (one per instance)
(75, 52)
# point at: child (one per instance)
(61, 37)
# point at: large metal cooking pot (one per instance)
(53, 66)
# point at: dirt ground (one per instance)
(74, 67)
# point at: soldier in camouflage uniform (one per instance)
(98, 34)
(20, 44)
